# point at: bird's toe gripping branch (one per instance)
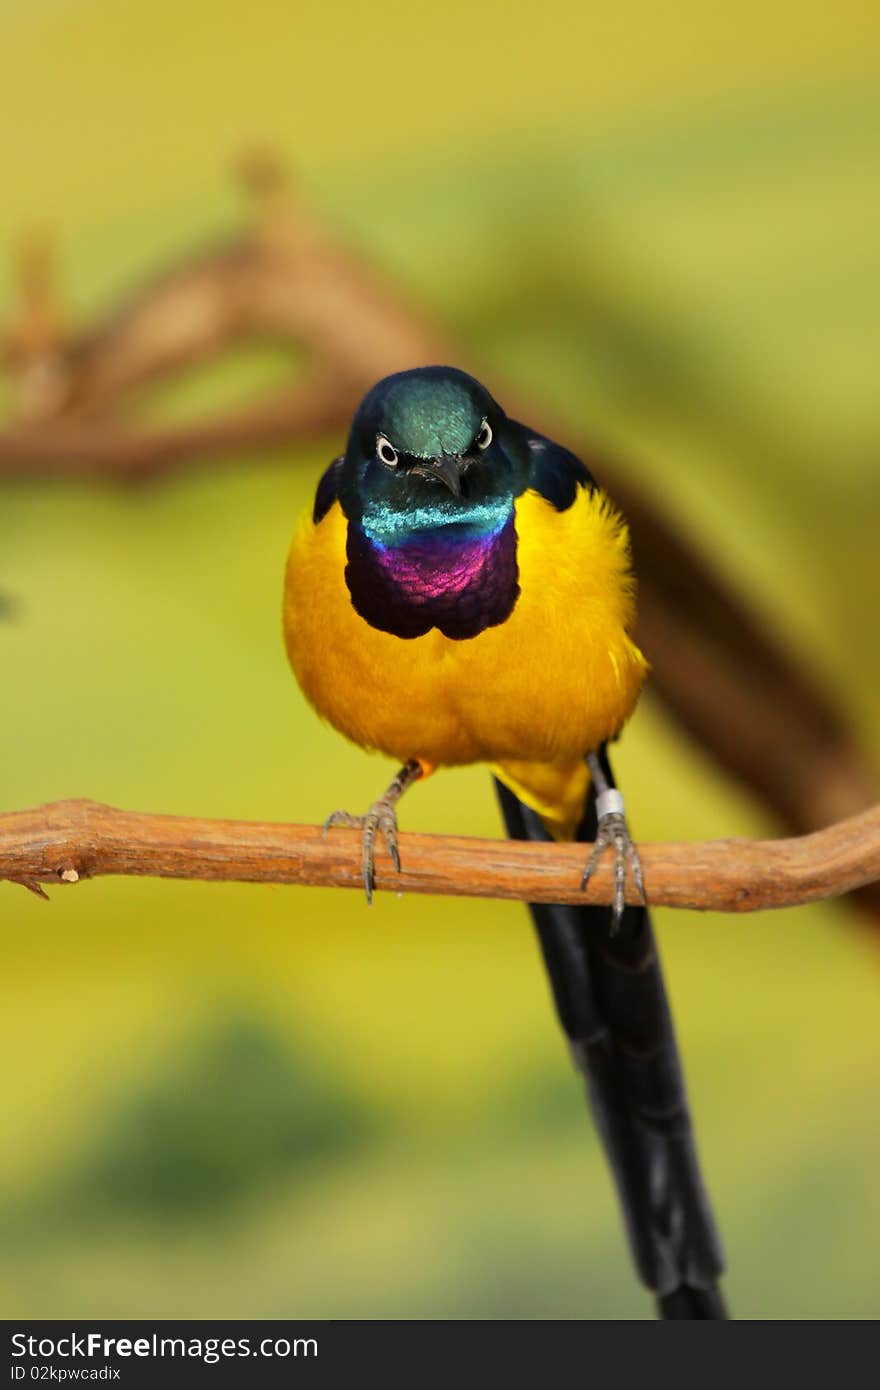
(381, 819)
(612, 833)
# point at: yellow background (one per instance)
(231, 1101)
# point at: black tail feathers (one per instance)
(611, 1001)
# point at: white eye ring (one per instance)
(386, 451)
(484, 438)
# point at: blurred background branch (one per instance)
(68, 841)
(724, 676)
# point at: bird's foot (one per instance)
(612, 833)
(381, 819)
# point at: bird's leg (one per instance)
(612, 831)
(380, 819)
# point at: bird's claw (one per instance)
(612, 833)
(381, 819)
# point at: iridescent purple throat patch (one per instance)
(446, 578)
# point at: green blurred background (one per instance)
(238, 1101)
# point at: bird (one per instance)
(461, 591)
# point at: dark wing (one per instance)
(326, 493)
(556, 473)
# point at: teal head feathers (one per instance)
(430, 448)
(428, 483)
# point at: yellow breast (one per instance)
(559, 677)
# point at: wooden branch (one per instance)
(67, 841)
(84, 448)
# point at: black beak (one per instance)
(447, 469)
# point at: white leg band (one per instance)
(609, 803)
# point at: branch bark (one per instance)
(67, 841)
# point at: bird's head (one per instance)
(430, 448)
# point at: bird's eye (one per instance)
(484, 438)
(386, 451)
